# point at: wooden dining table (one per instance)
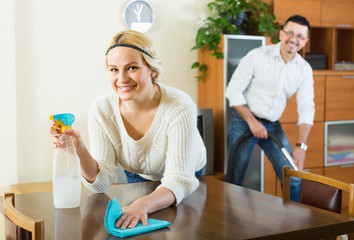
(216, 210)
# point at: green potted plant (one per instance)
(265, 20)
(222, 20)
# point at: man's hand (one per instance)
(256, 127)
(258, 130)
(299, 157)
(298, 153)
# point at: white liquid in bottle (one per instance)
(66, 175)
(66, 192)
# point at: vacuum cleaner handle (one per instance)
(286, 153)
(284, 150)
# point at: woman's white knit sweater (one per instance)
(171, 151)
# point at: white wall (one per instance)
(8, 131)
(54, 62)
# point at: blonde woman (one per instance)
(147, 127)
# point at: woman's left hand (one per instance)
(138, 211)
(132, 214)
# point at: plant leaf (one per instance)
(195, 65)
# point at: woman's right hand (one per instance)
(89, 166)
(56, 133)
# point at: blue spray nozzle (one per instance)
(64, 120)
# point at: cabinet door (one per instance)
(290, 112)
(311, 9)
(337, 13)
(343, 173)
(270, 178)
(314, 154)
(339, 98)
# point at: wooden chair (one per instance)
(18, 225)
(320, 191)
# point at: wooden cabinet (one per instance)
(337, 13)
(336, 43)
(339, 98)
(211, 95)
(311, 9)
(314, 154)
(343, 173)
(324, 13)
(322, 41)
(270, 178)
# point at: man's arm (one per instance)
(256, 127)
(299, 154)
(260, 131)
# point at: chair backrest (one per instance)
(328, 190)
(18, 225)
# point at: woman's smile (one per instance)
(126, 88)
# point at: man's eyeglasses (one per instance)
(299, 37)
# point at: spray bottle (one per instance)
(66, 166)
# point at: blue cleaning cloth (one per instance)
(114, 211)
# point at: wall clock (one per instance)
(138, 15)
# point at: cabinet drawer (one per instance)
(343, 173)
(337, 13)
(311, 9)
(339, 98)
(290, 113)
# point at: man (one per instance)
(258, 91)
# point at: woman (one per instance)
(146, 127)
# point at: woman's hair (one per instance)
(142, 43)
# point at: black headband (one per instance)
(129, 46)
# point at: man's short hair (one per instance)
(299, 20)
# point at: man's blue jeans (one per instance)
(136, 178)
(238, 126)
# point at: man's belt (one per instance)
(264, 120)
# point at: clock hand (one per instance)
(138, 10)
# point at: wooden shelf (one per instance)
(333, 73)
